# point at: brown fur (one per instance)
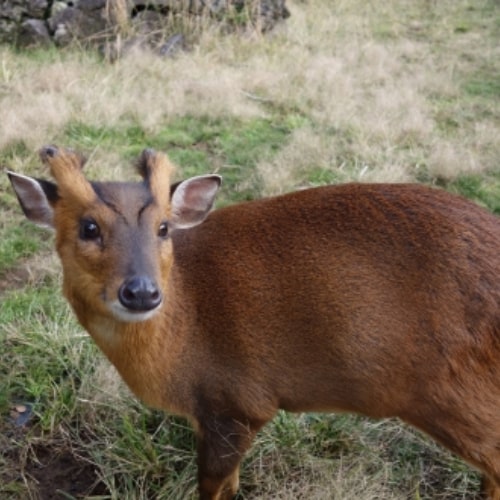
(382, 300)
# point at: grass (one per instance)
(344, 91)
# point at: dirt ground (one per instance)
(43, 471)
(56, 474)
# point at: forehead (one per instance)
(127, 198)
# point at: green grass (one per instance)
(485, 190)
(18, 243)
(197, 145)
(488, 86)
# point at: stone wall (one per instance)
(45, 22)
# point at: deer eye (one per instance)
(89, 230)
(163, 230)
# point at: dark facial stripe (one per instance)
(101, 193)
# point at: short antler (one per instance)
(66, 168)
(157, 171)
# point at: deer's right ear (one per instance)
(37, 198)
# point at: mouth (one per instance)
(121, 313)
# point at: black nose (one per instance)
(139, 293)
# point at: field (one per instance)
(345, 90)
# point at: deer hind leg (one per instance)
(483, 451)
(490, 490)
(222, 443)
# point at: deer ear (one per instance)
(192, 199)
(36, 197)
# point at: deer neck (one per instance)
(146, 355)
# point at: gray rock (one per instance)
(17, 9)
(12, 9)
(73, 24)
(57, 7)
(36, 8)
(172, 46)
(271, 12)
(8, 31)
(89, 5)
(34, 33)
(148, 22)
(27, 21)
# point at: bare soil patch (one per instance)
(57, 473)
(14, 278)
(29, 270)
(50, 470)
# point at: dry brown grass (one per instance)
(371, 82)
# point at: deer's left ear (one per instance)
(192, 199)
(36, 197)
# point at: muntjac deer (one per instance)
(382, 300)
